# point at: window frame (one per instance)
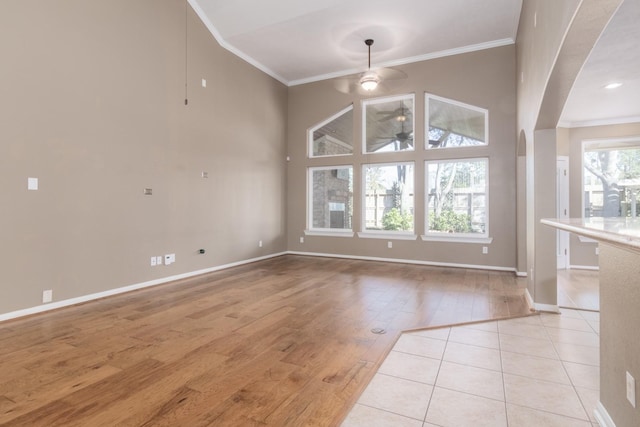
(317, 126)
(381, 100)
(313, 231)
(428, 96)
(603, 143)
(457, 237)
(384, 234)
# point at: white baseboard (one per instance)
(532, 305)
(110, 292)
(584, 267)
(406, 261)
(602, 416)
(551, 308)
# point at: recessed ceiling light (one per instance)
(613, 85)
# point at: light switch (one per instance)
(204, 83)
(32, 183)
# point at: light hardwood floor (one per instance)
(579, 289)
(282, 342)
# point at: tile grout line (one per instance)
(435, 380)
(564, 367)
(504, 386)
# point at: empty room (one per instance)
(329, 213)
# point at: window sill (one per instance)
(329, 233)
(457, 239)
(386, 235)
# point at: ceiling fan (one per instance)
(372, 81)
(402, 139)
(400, 114)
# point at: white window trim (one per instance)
(318, 126)
(428, 96)
(384, 234)
(389, 235)
(382, 100)
(329, 232)
(322, 231)
(456, 237)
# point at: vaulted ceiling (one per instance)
(303, 41)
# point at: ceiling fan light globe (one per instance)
(369, 81)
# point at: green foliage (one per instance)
(450, 222)
(396, 220)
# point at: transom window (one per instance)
(334, 136)
(388, 124)
(457, 197)
(454, 124)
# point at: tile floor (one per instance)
(541, 370)
(579, 289)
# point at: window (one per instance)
(457, 198)
(334, 136)
(388, 197)
(611, 178)
(331, 198)
(388, 124)
(454, 124)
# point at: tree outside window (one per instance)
(457, 197)
(389, 197)
(612, 179)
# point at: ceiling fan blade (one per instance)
(390, 73)
(391, 79)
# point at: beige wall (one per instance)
(485, 79)
(542, 28)
(619, 344)
(93, 105)
(554, 40)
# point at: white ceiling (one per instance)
(301, 41)
(615, 58)
(298, 42)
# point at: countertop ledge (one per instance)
(621, 232)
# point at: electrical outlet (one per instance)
(47, 296)
(631, 389)
(485, 250)
(260, 244)
(154, 262)
(32, 183)
(302, 240)
(159, 260)
(389, 245)
(169, 259)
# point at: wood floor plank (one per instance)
(281, 342)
